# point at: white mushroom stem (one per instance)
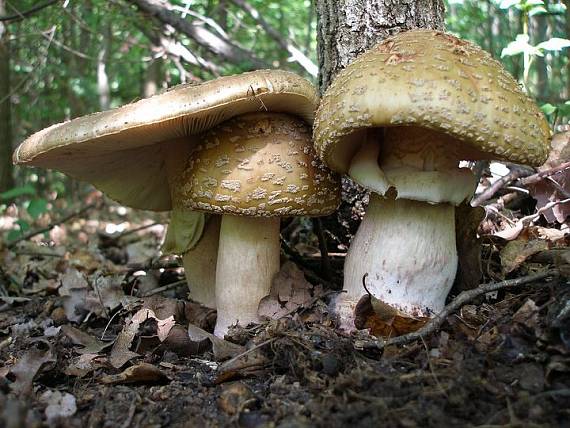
(405, 252)
(200, 265)
(248, 258)
(405, 249)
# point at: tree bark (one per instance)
(6, 169)
(348, 27)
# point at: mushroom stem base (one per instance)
(248, 258)
(404, 251)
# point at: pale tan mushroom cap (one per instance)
(434, 80)
(120, 151)
(260, 164)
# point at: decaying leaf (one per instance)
(91, 345)
(544, 191)
(222, 348)
(517, 251)
(384, 320)
(140, 373)
(29, 365)
(289, 290)
(121, 352)
(82, 365)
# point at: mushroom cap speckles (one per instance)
(260, 164)
(119, 151)
(434, 80)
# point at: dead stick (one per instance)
(51, 225)
(496, 186)
(166, 287)
(463, 297)
(535, 178)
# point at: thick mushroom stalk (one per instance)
(404, 249)
(248, 258)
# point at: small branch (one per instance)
(496, 186)
(51, 225)
(535, 178)
(464, 297)
(166, 287)
(19, 16)
(298, 56)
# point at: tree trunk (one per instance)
(6, 176)
(346, 28)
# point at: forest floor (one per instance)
(96, 331)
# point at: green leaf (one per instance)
(564, 109)
(37, 207)
(554, 44)
(548, 109)
(23, 226)
(16, 192)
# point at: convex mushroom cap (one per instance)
(432, 80)
(259, 165)
(121, 151)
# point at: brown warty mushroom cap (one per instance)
(119, 150)
(259, 165)
(432, 80)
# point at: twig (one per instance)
(18, 16)
(463, 298)
(166, 287)
(496, 186)
(51, 225)
(535, 178)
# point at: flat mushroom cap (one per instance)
(118, 151)
(261, 165)
(433, 80)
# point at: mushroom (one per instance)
(398, 120)
(133, 152)
(252, 170)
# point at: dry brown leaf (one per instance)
(121, 352)
(29, 365)
(91, 345)
(544, 192)
(527, 314)
(289, 291)
(82, 365)
(516, 252)
(140, 373)
(222, 348)
(383, 320)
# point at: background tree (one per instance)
(6, 174)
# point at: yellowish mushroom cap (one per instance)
(433, 80)
(262, 165)
(123, 152)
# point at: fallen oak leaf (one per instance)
(140, 373)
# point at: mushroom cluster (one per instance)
(398, 121)
(138, 155)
